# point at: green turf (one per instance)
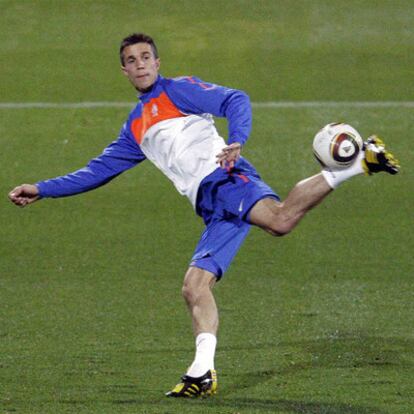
(91, 316)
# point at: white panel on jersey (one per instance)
(185, 150)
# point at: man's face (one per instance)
(140, 66)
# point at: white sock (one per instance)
(204, 358)
(336, 177)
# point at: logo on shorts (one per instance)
(241, 205)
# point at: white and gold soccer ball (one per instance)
(337, 145)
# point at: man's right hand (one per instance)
(24, 194)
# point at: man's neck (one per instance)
(149, 89)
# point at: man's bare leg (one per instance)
(197, 292)
(279, 218)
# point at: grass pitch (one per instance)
(92, 320)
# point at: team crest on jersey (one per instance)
(154, 110)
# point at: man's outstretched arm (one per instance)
(119, 156)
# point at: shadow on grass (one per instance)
(345, 351)
(336, 351)
(264, 405)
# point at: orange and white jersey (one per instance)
(174, 127)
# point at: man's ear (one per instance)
(124, 70)
(158, 63)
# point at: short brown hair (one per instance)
(137, 38)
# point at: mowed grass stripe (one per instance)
(269, 104)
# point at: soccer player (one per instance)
(172, 126)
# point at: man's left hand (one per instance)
(229, 155)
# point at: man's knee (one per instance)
(279, 227)
(196, 283)
(189, 292)
(278, 222)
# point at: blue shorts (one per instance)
(224, 201)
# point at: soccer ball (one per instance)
(337, 145)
